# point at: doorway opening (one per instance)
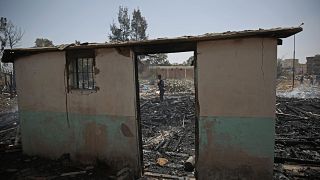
(168, 125)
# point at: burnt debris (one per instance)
(168, 131)
(297, 139)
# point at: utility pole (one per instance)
(294, 56)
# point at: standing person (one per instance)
(161, 87)
(311, 80)
(301, 80)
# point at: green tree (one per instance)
(138, 26)
(77, 42)
(136, 30)
(43, 42)
(157, 59)
(189, 61)
(121, 33)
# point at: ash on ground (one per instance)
(297, 139)
(301, 91)
(168, 127)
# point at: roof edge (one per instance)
(10, 55)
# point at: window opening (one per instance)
(81, 70)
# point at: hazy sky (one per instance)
(64, 21)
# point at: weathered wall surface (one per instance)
(236, 93)
(40, 82)
(87, 124)
(313, 65)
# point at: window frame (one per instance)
(73, 56)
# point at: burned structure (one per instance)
(83, 100)
(313, 65)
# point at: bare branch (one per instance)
(13, 35)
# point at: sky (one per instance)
(64, 21)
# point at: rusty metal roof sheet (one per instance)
(10, 55)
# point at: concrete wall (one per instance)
(89, 125)
(287, 65)
(236, 93)
(313, 65)
(168, 72)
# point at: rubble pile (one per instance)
(9, 123)
(297, 140)
(176, 86)
(168, 127)
(15, 165)
(9, 129)
(7, 103)
(172, 86)
(168, 133)
(148, 88)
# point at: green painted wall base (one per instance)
(86, 137)
(231, 147)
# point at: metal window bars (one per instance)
(81, 73)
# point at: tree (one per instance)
(13, 35)
(43, 42)
(134, 30)
(157, 59)
(3, 24)
(189, 61)
(138, 26)
(115, 33)
(122, 32)
(3, 40)
(10, 35)
(77, 42)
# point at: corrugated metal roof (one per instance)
(10, 55)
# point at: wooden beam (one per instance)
(164, 48)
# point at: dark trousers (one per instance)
(161, 95)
